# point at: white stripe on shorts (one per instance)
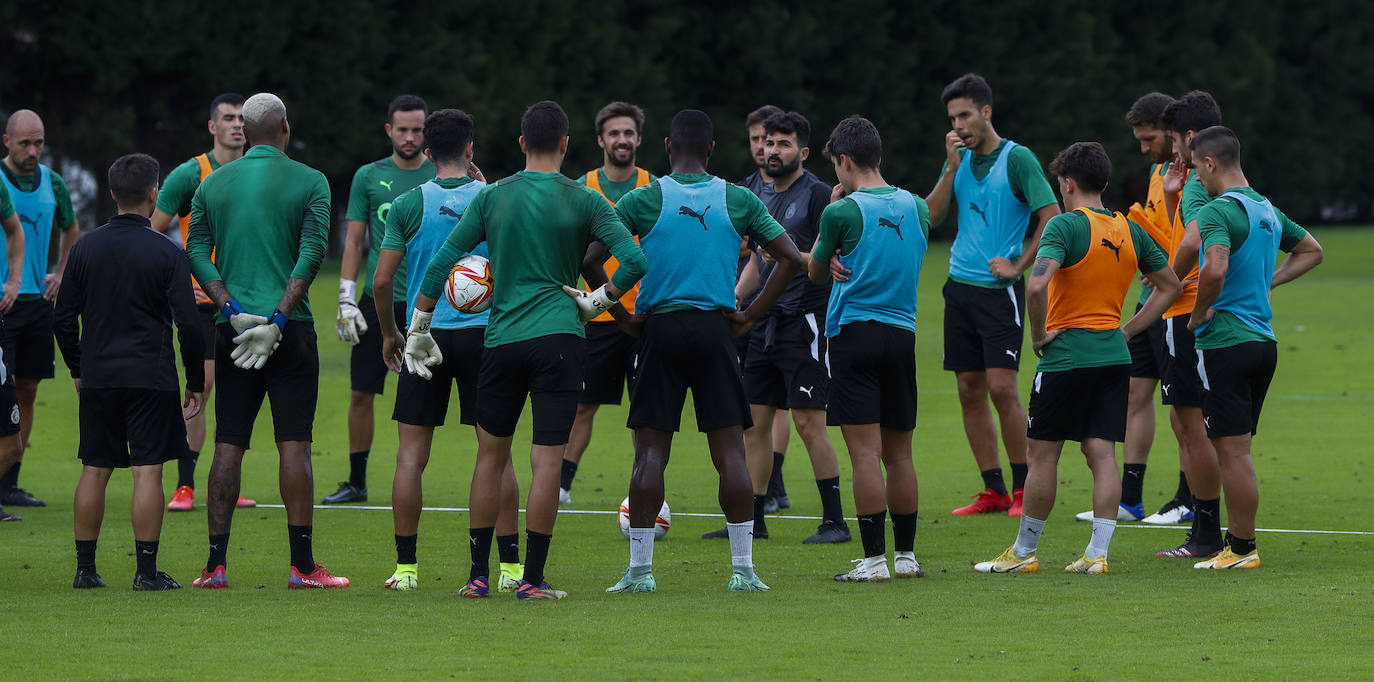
(1015, 309)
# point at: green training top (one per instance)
(6, 207)
(65, 215)
(408, 213)
(614, 190)
(1027, 178)
(537, 227)
(266, 219)
(375, 187)
(1066, 239)
(1224, 222)
(179, 188)
(1192, 199)
(842, 224)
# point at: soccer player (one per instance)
(128, 285)
(266, 220)
(758, 140)
(537, 225)
(174, 203)
(375, 187)
(785, 365)
(686, 317)
(41, 200)
(1242, 234)
(12, 267)
(871, 324)
(1083, 268)
(416, 225)
(997, 187)
(610, 351)
(1182, 385)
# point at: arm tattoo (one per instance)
(1041, 265)
(296, 289)
(217, 292)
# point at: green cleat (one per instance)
(510, 577)
(643, 584)
(405, 579)
(744, 580)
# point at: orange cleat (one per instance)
(986, 502)
(183, 499)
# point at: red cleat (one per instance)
(183, 499)
(318, 578)
(986, 502)
(212, 580)
(245, 502)
(1016, 496)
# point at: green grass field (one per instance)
(1305, 614)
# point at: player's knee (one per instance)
(358, 399)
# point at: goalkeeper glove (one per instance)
(421, 351)
(256, 344)
(240, 320)
(590, 303)
(350, 325)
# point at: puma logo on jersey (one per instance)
(386, 184)
(1150, 204)
(1116, 248)
(1012, 353)
(806, 389)
(31, 222)
(701, 217)
(974, 207)
(1264, 225)
(444, 210)
(897, 226)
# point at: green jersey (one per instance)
(375, 186)
(408, 213)
(613, 190)
(266, 219)
(65, 215)
(6, 206)
(842, 225)
(1192, 199)
(174, 198)
(1066, 239)
(537, 227)
(1224, 223)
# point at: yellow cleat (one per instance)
(1008, 562)
(1093, 566)
(1228, 559)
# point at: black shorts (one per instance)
(366, 370)
(1148, 353)
(610, 363)
(1180, 386)
(688, 349)
(873, 376)
(1236, 379)
(548, 369)
(786, 363)
(983, 327)
(425, 403)
(124, 427)
(9, 408)
(205, 323)
(290, 381)
(1088, 402)
(28, 341)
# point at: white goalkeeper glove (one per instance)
(350, 325)
(421, 351)
(590, 303)
(240, 320)
(256, 344)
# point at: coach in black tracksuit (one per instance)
(128, 284)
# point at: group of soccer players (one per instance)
(778, 297)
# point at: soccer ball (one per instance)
(468, 288)
(665, 518)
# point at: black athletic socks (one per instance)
(1208, 515)
(775, 484)
(11, 477)
(186, 469)
(508, 546)
(405, 549)
(479, 544)
(302, 554)
(1132, 483)
(873, 533)
(1238, 546)
(569, 472)
(760, 526)
(357, 468)
(992, 478)
(1183, 495)
(904, 532)
(536, 554)
(85, 555)
(219, 548)
(831, 507)
(145, 552)
(1018, 475)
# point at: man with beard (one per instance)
(610, 351)
(375, 186)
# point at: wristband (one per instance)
(278, 319)
(231, 308)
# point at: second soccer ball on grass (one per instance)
(661, 523)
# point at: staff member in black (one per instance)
(128, 284)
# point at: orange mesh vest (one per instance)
(1089, 293)
(204, 162)
(628, 300)
(1184, 304)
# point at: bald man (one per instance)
(40, 199)
(266, 220)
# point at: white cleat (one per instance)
(1169, 516)
(564, 497)
(869, 570)
(1123, 513)
(904, 565)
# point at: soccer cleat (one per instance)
(740, 581)
(212, 580)
(564, 497)
(476, 588)
(1228, 560)
(1008, 562)
(1173, 513)
(183, 499)
(1191, 549)
(245, 502)
(904, 565)
(528, 591)
(828, 532)
(155, 583)
(6, 516)
(1123, 513)
(1017, 496)
(319, 578)
(405, 579)
(868, 570)
(628, 585)
(986, 502)
(1093, 566)
(510, 577)
(724, 534)
(770, 505)
(18, 497)
(87, 579)
(347, 492)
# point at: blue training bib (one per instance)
(443, 208)
(992, 221)
(886, 265)
(1245, 291)
(36, 211)
(692, 250)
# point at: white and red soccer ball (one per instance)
(468, 288)
(665, 519)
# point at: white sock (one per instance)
(1102, 538)
(641, 547)
(741, 543)
(1028, 538)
